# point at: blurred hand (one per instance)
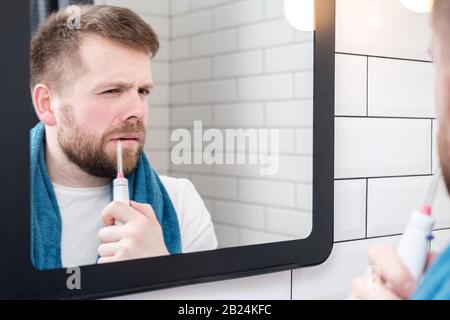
(140, 236)
(388, 279)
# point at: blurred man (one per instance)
(396, 282)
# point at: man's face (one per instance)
(106, 103)
(441, 58)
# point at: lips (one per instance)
(128, 136)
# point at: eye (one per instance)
(111, 91)
(144, 92)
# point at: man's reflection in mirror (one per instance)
(90, 81)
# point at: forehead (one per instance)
(109, 59)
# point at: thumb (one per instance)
(146, 210)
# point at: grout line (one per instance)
(385, 117)
(385, 177)
(367, 201)
(235, 77)
(431, 151)
(383, 236)
(382, 57)
(237, 51)
(259, 204)
(367, 87)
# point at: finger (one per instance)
(392, 269)
(116, 210)
(146, 210)
(108, 249)
(107, 259)
(110, 234)
(364, 288)
(430, 258)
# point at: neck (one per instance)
(64, 172)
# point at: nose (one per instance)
(135, 107)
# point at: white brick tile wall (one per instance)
(158, 117)
(157, 139)
(180, 48)
(274, 8)
(239, 64)
(197, 4)
(154, 7)
(160, 95)
(242, 114)
(303, 85)
(214, 43)
(179, 6)
(160, 72)
(390, 83)
(350, 85)
(234, 213)
(381, 28)
(290, 113)
(265, 34)
(391, 201)
(218, 187)
(249, 237)
(368, 147)
(159, 25)
(254, 287)
(214, 91)
(238, 13)
(290, 222)
(272, 87)
(227, 236)
(180, 94)
(199, 69)
(287, 140)
(185, 116)
(349, 209)
(267, 192)
(304, 141)
(304, 196)
(332, 279)
(294, 57)
(191, 23)
(164, 50)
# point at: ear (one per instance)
(42, 102)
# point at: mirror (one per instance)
(228, 119)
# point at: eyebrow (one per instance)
(123, 85)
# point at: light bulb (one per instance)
(420, 6)
(300, 14)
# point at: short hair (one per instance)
(55, 46)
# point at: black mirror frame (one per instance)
(19, 279)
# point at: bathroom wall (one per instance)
(226, 71)
(385, 139)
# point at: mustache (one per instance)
(129, 127)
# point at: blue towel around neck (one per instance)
(144, 185)
(436, 282)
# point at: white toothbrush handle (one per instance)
(414, 244)
(120, 193)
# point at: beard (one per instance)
(444, 154)
(88, 150)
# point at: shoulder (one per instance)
(196, 226)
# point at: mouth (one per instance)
(127, 138)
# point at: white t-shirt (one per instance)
(81, 209)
